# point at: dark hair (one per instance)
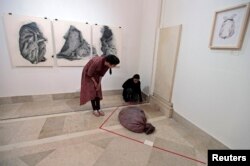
(112, 59)
(136, 76)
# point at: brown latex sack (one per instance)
(134, 119)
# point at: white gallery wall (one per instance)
(150, 24)
(19, 81)
(211, 86)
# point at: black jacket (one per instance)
(136, 87)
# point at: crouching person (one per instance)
(132, 89)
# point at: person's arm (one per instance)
(94, 81)
(91, 69)
(140, 97)
(126, 84)
(95, 63)
(91, 72)
(98, 87)
(139, 91)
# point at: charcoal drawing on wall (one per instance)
(75, 46)
(72, 43)
(107, 40)
(32, 43)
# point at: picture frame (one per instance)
(29, 40)
(229, 26)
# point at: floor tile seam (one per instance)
(46, 116)
(67, 136)
(138, 141)
(49, 140)
(155, 147)
(60, 114)
(115, 127)
(42, 116)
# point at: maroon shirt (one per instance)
(94, 68)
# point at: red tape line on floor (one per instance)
(165, 150)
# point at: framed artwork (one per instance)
(229, 27)
(72, 43)
(107, 40)
(29, 40)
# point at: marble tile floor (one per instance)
(76, 139)
(46, 105)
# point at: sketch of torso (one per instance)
(227, 28)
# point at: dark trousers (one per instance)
(129, 95)
(96, 103)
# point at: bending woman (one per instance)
(92, 75)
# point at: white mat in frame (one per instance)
(29, 40)
(72, 43)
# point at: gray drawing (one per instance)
(107, 41)
(32, 43)
(75, 46)
(227, 28)
(94, 51)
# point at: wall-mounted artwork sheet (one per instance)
(229, 27)
(107, 40)
(72, 43)
(29, 40)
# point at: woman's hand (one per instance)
(98, 86)
(95, 83)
